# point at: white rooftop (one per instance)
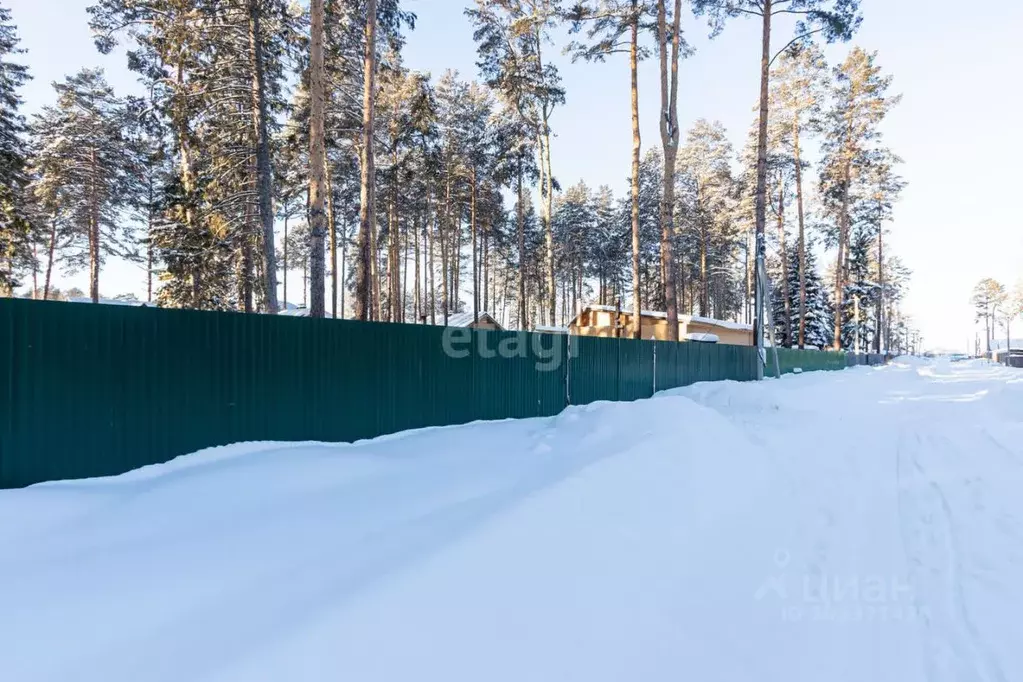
(466, 320)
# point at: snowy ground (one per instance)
(852, 526)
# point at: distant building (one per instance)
(600, 320)
(112, 301)
(483, 320)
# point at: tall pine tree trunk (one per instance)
(522, 249)
(51, 249)
(669, 141)
(704, 275)
(843, 232)
(245, 264)
(260, 125)
(417, 291)
(802, 235)
(284, 273)
(431, 237)
(344, 267)
(880, 289)
(403, 280)
(637, 145)
(393, 271)
(456, 266)
(332, 237)
(784, 263)
(486, 269)
(93, 229)
(548, 198)
(317, 165)
(444, 270)
(761, 198)
(472, 234)
(184, 138)
(35, 271)
(365, 282)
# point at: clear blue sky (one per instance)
(958, 127)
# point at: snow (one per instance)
(110, 301)
(705, 338)
(550, 329)
(738, 326)
(723, 531)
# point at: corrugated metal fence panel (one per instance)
(814, 360)
(666, 365)
(635, 369)
(694, 361)
(7, 345)
(91, 390)
(593, 374)
(518, 375)
(550, 362)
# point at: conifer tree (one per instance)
(705, 164)
(15, 225)
(613, 26)
(87, 169)
(834, 19)
(860, 101)
(512, 37)
(797, 95)
(816, 320)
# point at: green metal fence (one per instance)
(92, 390)
(791, 359)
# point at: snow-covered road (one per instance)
(852, 526)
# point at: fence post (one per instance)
(655, 368)
(568, 370)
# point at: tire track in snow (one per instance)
(933, 551)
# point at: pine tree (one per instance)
(87, 170)
(670, 133)
(881, 187)
(988, 295)
(851, 137)
(834, 19)
(608, 23)
(512, 36)
(15, 226)
(797, 93)
(816, 321)
(860, 294)
(705, 164)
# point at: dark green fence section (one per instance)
(790, 359)
(92, 390)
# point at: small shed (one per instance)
(484, 320)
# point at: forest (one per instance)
(285, 153)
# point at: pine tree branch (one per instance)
(792, 42)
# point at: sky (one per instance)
(957, 128)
